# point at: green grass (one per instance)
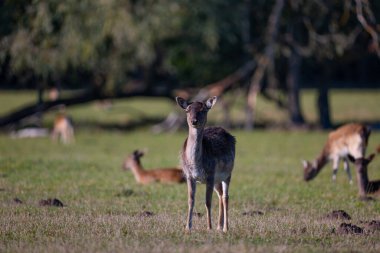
(104, 204)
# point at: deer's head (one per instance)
(309, 170)
(361, 164)
(196, 112)
(133, 159)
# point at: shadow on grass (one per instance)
(149, 122)
(112, 126)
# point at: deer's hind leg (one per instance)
(219, 190)
(225, 185)
(209, 187)
(346, 167)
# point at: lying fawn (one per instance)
(208, 156)
(142, 176)
(63, 129)
(348, 139)
(364, 184)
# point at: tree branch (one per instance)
(175, 119)
(263, 62)
(367, 27)
(83, 97)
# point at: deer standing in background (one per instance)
(207, 156)
(53, 94)
(348, 139)
(63, 129)
(364, 184)
(142, 176)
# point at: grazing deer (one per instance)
(208, 156)
(364, 184)
(63, 129)
(142, 176)
(348, 139)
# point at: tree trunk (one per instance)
(263, 62)
(40, 101)
(323, 104)
(294, 106)
(323, 107)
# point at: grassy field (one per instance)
(104, 207)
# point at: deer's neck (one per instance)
(194, 147)
(138, 171)
(363, 182)
(321, 160)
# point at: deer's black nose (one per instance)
(194, 121)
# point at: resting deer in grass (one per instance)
(207, 156)
(364, 184)
(142, 176)
(63, 129)
(348, 139)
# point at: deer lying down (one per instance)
(142, 176)
(364, 184)
(348, 139)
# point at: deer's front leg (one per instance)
(191, 188)
(209, 189)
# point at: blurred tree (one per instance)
(314, 31)
(115, 47)
(114, 40)
(121, 48)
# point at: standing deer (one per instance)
(348, 139)
(142, 176)
(364, 184)
(207, 156)
(63, 129)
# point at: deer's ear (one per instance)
(305, 163)
(370, 157)
(182, 102)
(351, 158)
(140, 153)
(137, 153)
(211, 102)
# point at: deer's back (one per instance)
(218, 143)
(348, 139)
(62, 122)
(219, 153)
(168, 175)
